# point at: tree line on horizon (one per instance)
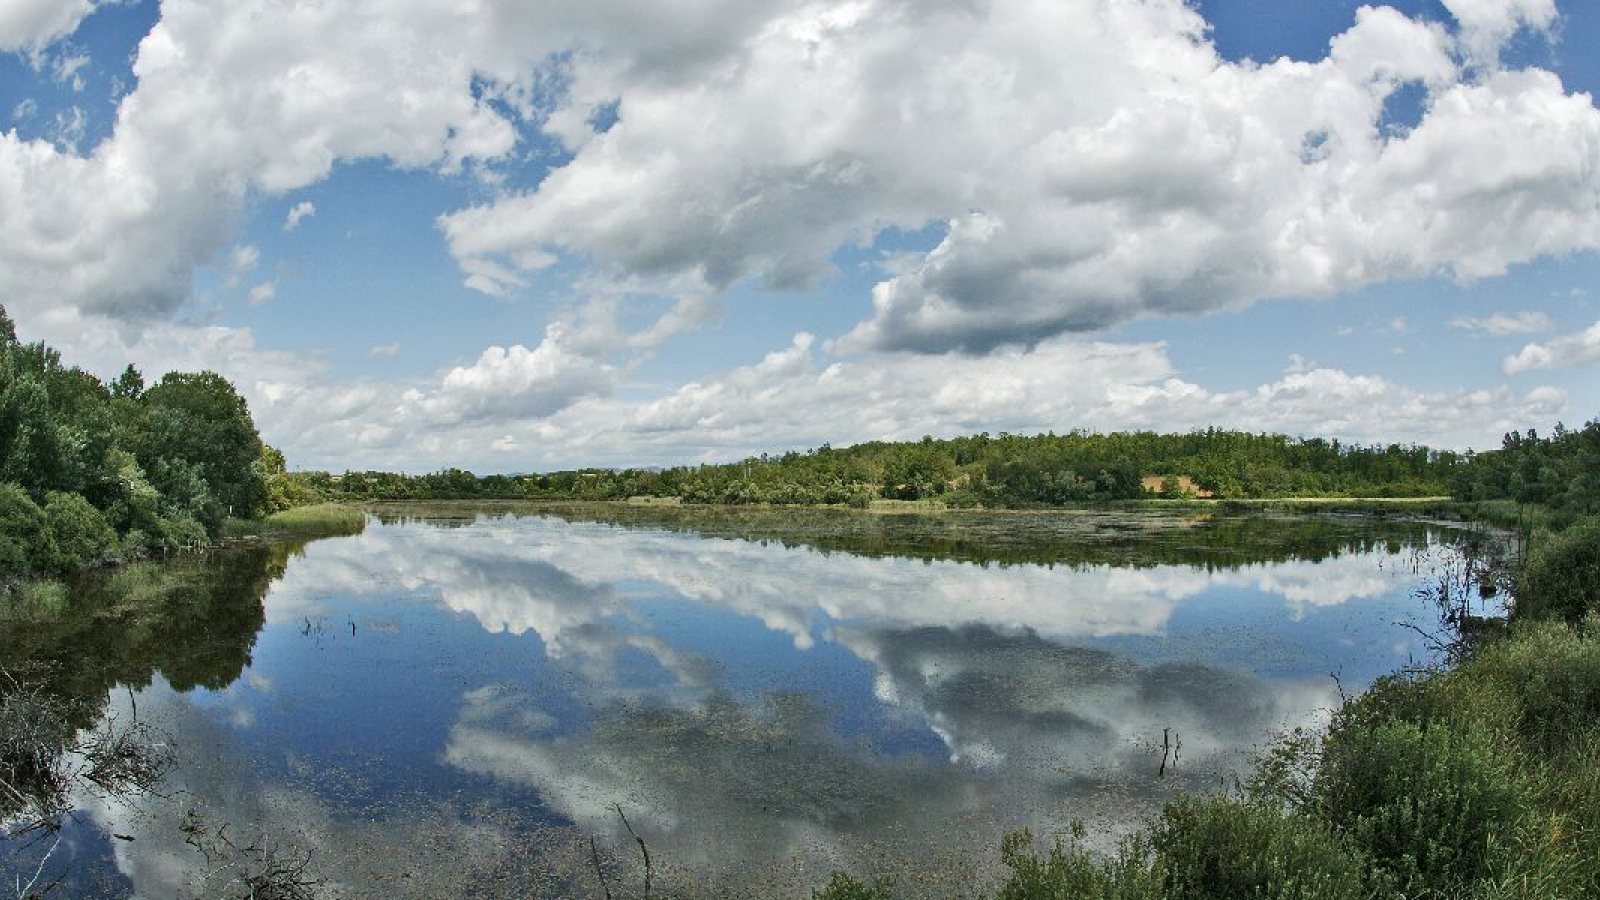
(93, 471)
(1559, 472)
(982, 470)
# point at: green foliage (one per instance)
(1435, 806)
(1559, 473)
(1549, 679)
(1199, 849)
(1069, 872)
(1218, 848)
(120, 470)
(79, 531)
(33, 601)
(1008, 471)
(318, 520)
(26, 544)
(201, 448)
(1561, 578)
(844, 886)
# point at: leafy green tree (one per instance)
(201, 448)
(129, 385)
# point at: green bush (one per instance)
(1561, 577)
(1219, 849)
(1576, 797)
(26, 546)
(80, 532)
(183, 531)
(1070, 873)
(844, 886)
(1434, 805)
(1431, 698)
(1551, 674)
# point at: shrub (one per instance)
(1551, 673)
(844, 886)
(182, 531)
(1218, 849)
(80, 532)
(26, 547)
(1071, 872)
(1561, 577)
(1432, 804)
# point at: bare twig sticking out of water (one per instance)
(1170, 750)
(26, 891)
(648, 871)
(594, 857)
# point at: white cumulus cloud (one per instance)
(511, 383)
(32, 24)
(1091, 161)
(1568, 350)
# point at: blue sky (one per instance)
(419, 233)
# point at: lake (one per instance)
(456, 701)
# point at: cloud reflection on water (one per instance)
(952, 702)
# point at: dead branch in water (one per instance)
(648, 872)
(594, 856)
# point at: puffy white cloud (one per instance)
(1093, 161)
(32, 24)
(556, 404)
(791, 399)
(1502, 324)
(252, 97)
(1578, 349)
(1487, 24)
(512, 383)
(263, 293)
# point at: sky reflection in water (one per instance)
(442, 708)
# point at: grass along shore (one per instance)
(317, 520)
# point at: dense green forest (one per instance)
(1559, 473)
(91, 472)
(1006, 470)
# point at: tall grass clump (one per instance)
(844, 886)
(1217, 848)
(1068, 870)
(33, 601)
(1547, 676)
(320, 520)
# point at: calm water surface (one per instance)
(454, 702)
